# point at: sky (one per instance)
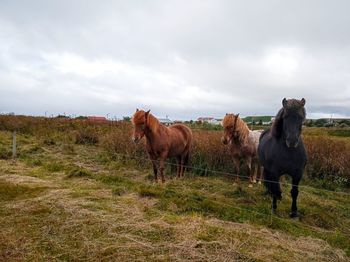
(178, 58)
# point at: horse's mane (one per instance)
(292, 105)
(152, 122)
(277, 126)
(240, 126)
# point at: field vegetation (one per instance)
(83, 191)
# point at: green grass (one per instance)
(10, 191)
(340, 132)
(119, 213)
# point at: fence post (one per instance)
(14, 145)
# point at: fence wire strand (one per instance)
(229, 174)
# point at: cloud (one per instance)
(177, 58)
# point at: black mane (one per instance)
(277, 126)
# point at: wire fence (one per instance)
(270, 216)
(206, 171)
(229, 174)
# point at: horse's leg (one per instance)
(182, 166)
(178, 162)
(154, 165)
(256, 169)
(251, 172)
(155, 169)
(260, 172)
(294, 193)
(162, 159)
(237, 163)
(274, 204)
(273, 187)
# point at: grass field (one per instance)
(72, 198)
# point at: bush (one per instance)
(87, 136)
(328, 159)
(328, 150)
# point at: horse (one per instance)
(163, 142)
(243, 144)
(281, 151)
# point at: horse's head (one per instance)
(139, 121)
(230, 128)
(289, 121)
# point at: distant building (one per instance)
(209, 120)
(259, 120)
(166, 121)
(97, 119)
(7, 113)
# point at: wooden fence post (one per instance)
(14, 145)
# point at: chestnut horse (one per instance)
(243, 145)
(163, 142)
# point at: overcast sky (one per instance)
(179, 58)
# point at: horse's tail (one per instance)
(189, 147)
(272, 185)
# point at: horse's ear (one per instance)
(237, 115)
(148, 112)
(226, 113)
(137, 109)
(284, 102)
(303, 101)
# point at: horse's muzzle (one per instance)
(224, 141)
(292, 143)
(135, 139)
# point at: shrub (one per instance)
(328, 159)
(328, 150)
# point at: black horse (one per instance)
(281, 151)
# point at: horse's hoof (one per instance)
(259, 182)
(250, 185)
(254, 181)
(294, 215)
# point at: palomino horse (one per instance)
(243, 145)
(163, 142)
(281, 151)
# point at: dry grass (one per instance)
(83, 221)
(63, 200)
(328, 159)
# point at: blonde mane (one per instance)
(240, 127)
